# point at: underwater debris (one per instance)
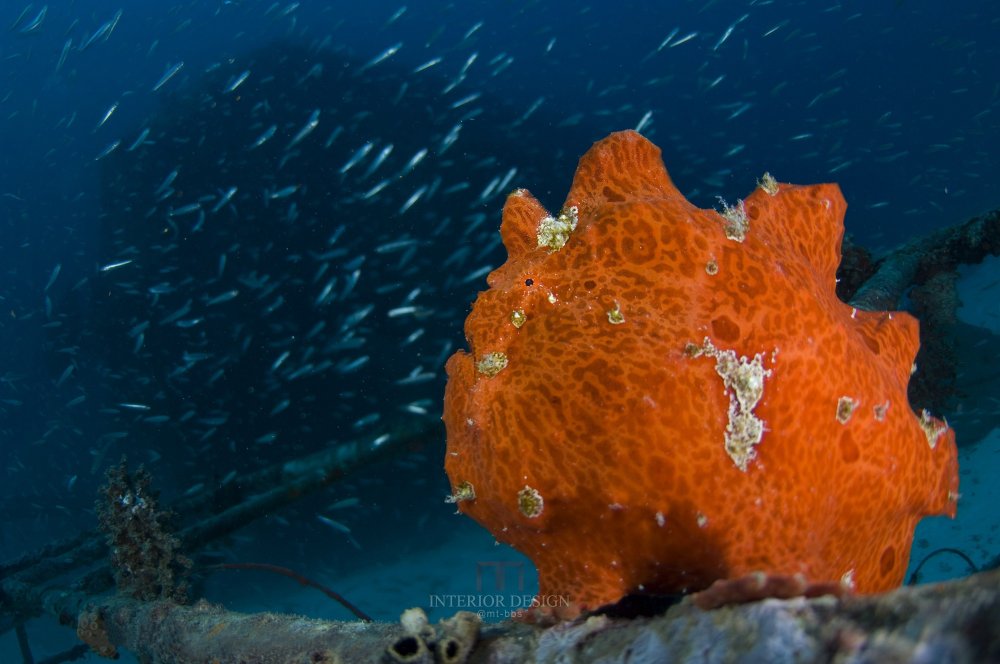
(302, 580)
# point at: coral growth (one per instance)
(145, 556)
(732, 416)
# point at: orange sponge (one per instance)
(659, 396)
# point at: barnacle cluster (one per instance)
(449, 642)
(845, 408)
(734, 220)
(553, 232)
(530, 502)
(492, 363)
(744, 382)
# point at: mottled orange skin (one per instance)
(621, 431)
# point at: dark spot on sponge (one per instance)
(888, 560)
(849, 451)
(724, 329)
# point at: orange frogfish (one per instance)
(658, 396)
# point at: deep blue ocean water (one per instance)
(233, 233)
